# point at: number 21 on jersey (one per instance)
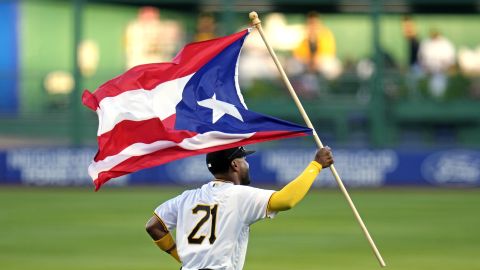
(209, 212)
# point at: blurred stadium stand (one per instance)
(41, 86)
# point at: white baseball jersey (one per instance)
(212, 223)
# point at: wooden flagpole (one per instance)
(257, 23)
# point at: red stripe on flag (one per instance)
(129, 132)
(191, 58)
(173, 153)
(169, 122)
(89, 100)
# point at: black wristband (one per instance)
(171, 249)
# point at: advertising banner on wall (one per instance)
(357, 168)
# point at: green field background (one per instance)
(76, 228)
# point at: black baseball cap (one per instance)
(220, 160)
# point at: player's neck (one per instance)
(228, 177)
(222, 180)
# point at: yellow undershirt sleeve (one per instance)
(168, 245)
(293, 192)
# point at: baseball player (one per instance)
(212, 222)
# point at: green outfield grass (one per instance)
(70, 229)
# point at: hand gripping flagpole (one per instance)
(257, 23)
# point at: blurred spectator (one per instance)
(88, 57)
(469, 61)
(436, 56)
(410, 33)
(317, 50)
(282, 35)
(150, 40)
(206, 27)
(256, 63)
(414, 68)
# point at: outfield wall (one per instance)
(357, 168)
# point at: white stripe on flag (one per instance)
(200, 141)
(137, 149)
(138, 105)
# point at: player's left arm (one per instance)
(161, 236)
(295, 191)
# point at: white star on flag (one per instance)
(220, 108)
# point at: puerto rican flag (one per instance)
(156, 113)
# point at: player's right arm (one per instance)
(293, 192)
(161, 223)
(161, 236)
